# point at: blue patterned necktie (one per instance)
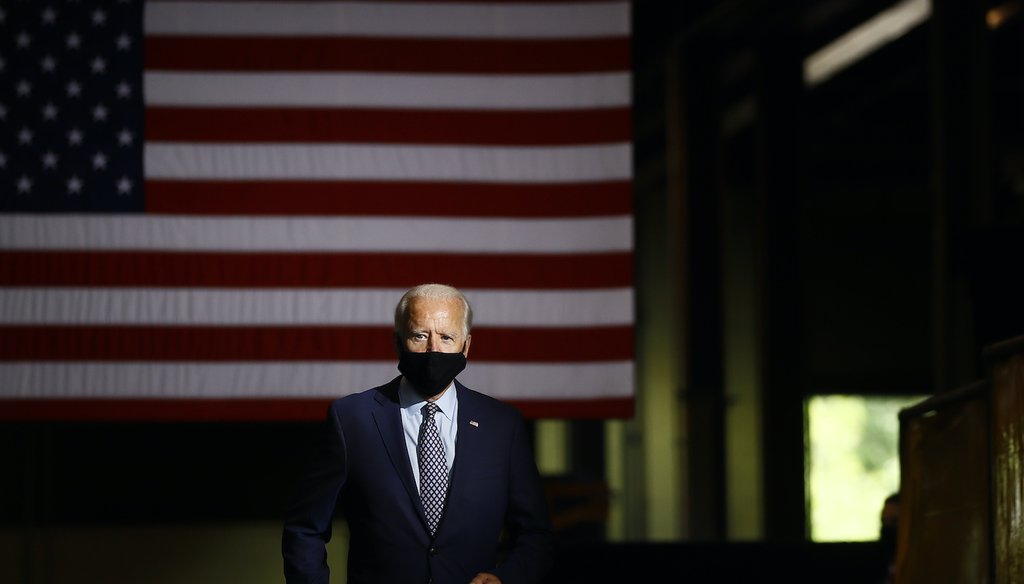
(433, 470)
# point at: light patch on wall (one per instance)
(998, 16)
(851, 445)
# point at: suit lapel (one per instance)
(388, 418)
(466, 441)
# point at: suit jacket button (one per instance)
(433, 551)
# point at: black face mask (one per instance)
(430, 372)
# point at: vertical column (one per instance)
(701, 262)
(961, 146)
(779, 89)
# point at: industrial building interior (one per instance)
(815, 213)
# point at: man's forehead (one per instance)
(429, 308)
(426, 304)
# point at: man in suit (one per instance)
(476, 494)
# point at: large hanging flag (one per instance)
(210, 209)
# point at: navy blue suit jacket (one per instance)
(361, 466)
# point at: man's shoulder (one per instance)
(482, 401)
(387, 392)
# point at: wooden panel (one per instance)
(1008, 469)
(944, 531)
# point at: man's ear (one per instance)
(465, 346)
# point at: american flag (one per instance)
(210, 209)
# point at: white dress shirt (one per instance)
(448, 412)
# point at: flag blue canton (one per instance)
(71, 106)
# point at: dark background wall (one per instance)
(883, 212)
(883, 209)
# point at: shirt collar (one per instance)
(409, 399)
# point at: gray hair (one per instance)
(440, 291)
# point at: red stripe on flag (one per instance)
(609, 408)
(313, 270)
(423, 199)
(310, 410)
(288, 343)
(507, 56)
(312, 125)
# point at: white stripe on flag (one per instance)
(206, 306)
(510, 381)
(388, 19)
(313, 234)
(388, 162)
(408, 91)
